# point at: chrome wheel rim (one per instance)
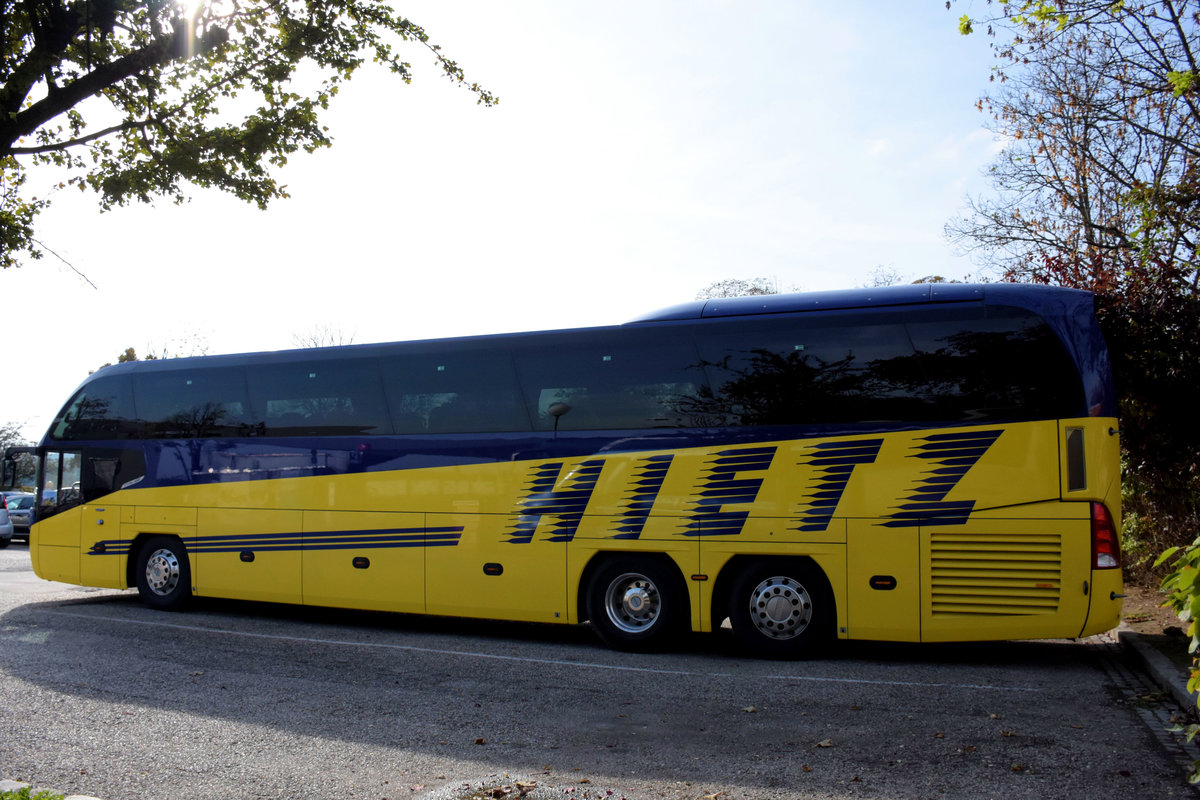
(632, 602)
(162, 572)
(780, 608)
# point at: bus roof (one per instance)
(1058, 305)
(1028, 296)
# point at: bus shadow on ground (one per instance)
(577, 642)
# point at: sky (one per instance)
(641, 151)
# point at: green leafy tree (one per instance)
(140, 99)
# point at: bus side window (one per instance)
(192, 403)
(457, 391)
(101, 410)
(617, 380)
(320, 397)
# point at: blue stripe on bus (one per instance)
(317, 540)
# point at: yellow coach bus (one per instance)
(915, 463)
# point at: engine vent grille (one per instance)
(995, 575)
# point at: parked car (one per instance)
(22, 510)
(6, 527)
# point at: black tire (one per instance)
(782, 610)
(164, 575)
(5, 543)
(638, 604)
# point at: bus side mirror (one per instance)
(10, 472)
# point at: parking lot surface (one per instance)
(101, 696)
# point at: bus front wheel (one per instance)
(782, 610)
(164, 576)
(637, 604)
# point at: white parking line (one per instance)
(548, 661)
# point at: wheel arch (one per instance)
(735, 566)
(135, 547)
(602, 557)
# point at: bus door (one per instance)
(54, 543)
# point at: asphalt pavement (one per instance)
(1035, 737)
(1162, 657)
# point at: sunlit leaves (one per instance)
(1182, 82)
(16, 215)
(162, 97)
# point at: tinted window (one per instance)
(103, 409)
(471, 391)
(809, 369)
(928, 365)
(194, 403)
(327, 397)
(996, 363)
(611, 380)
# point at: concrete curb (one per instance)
(1164, 672)
(16, 786)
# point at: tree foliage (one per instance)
(140, 99)
(738, 287)
(1099, 109)
(1098, 187)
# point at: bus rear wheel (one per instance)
(164, 575)
(782, 611)
(637, 604)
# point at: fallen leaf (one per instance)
(749, 709)
(825, 743)
(1008, 733)
(481, 740)
(806, 767)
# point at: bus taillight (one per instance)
(1106, 545)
